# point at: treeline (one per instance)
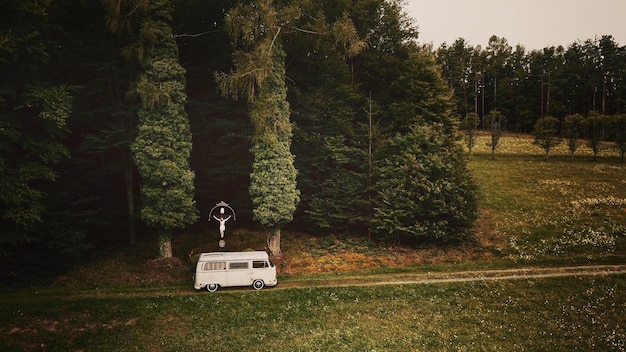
(582, 78)
(598, 132)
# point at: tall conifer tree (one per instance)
(273, 179)
(259, 75)
(163, 144)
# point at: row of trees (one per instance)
(113, 106)
(597, 131)
(582, 78)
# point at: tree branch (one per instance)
(304, 30)
(194, 35)
(131, 11)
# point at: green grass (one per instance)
(510, 315)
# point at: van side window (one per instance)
(238, 265)
(215, 266)
(257, 264)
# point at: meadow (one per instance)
(560, 209)
(533, 213)
(565, 314)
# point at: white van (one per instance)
(223, 269)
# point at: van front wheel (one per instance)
(258, 284)
(211, 287)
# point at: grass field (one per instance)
(565, 314)
(533, 214)
(534, 209)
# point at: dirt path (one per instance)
(56, 293)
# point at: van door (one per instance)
(239, 273)
(263, 270)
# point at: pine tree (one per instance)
(259, 75)
(273, 179)
(163, 144)
(424, 187)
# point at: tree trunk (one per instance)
(604, 94)
(476, 95)
(273, 241)
(165, 243)
(465, 103)
(130, 198)
(548, 95)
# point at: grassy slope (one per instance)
(533, 213)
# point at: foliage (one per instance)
(272, 187)
(424, 188)
(255, 28)
(346, 145)
(37, 212)
(522, 144)
(28, 157)
(33, 223)
(330, 143)
(334, 128)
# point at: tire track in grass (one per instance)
(476, 275)
(343, 281)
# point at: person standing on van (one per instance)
(222, 224)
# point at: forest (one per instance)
(584, 77)
(126, 121)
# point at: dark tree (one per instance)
(495, 122)
(425, 190)
(545, 133)
(163, 144)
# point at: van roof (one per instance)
(250, 255)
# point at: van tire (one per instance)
(212, 287)
(258, 284)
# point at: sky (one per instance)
(535, 24)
